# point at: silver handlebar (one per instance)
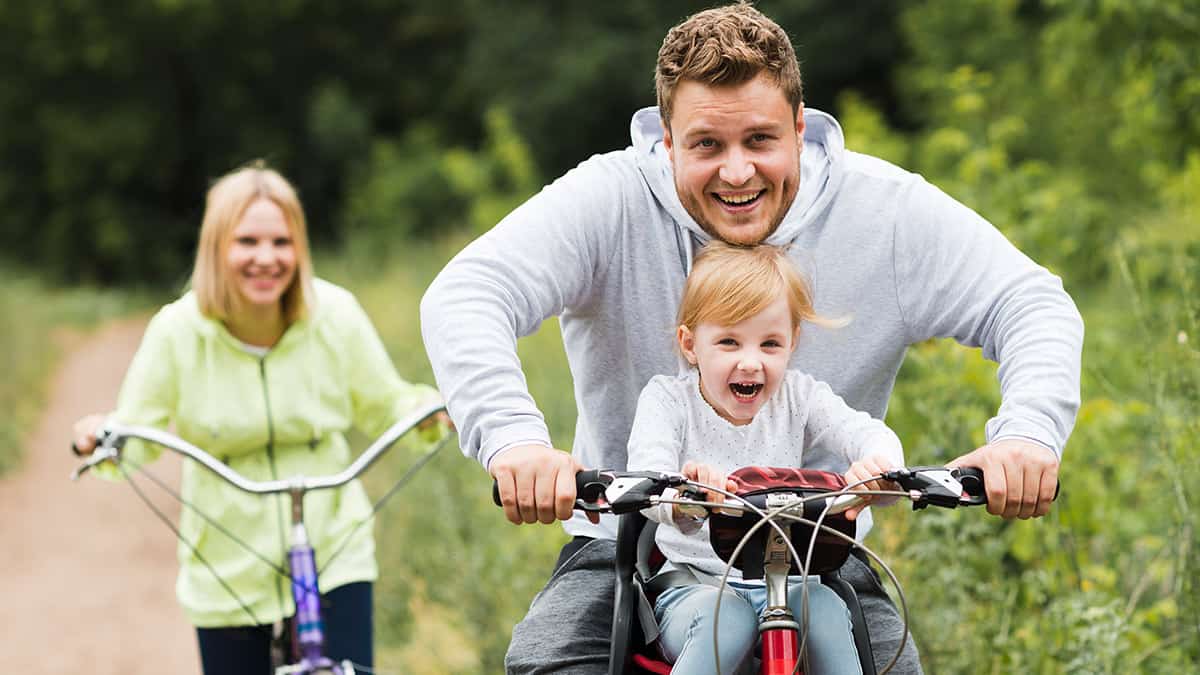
(834, 505)
(113, 436)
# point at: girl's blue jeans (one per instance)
(686, 617)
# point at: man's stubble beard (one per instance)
(695, 211)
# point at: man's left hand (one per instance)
(1020, 477)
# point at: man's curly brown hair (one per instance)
(726, 46)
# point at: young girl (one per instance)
(267, 368)
(740, 405)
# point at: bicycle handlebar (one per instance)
(618, 492)
(112, 437)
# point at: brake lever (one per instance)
(102, 454)
(108, 447)
(632, 491)
(938, 485)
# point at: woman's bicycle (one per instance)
(792, 525)
(308, 635)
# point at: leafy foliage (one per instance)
(418, 188)
(117, 115)
(1081, 154)
(1042, 123)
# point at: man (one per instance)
(730, 152)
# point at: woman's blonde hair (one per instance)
(227, 201)
(729, 284)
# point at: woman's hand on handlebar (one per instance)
(863, 469)
(439, 419)
(536, 483)
(83, 441)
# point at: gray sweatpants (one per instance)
(567, 628)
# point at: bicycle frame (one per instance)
(310, 631)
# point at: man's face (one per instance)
(735, 152)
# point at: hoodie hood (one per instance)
(820, 171)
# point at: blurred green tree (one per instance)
(1059, 120)
(115, 116)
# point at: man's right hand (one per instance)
(536, 483)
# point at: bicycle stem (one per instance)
(778, 626)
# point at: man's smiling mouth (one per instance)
(738, 200)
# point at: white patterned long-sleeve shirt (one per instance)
(805, 424)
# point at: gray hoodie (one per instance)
(607, 246)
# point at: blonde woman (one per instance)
(266, 367)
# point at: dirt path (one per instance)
(87, 572)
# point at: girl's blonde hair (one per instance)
(227, 201)
(729, 284)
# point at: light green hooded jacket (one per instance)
(276, 416)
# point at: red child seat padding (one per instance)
(754, 483)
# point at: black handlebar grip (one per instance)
(972, 480)
(589, 486)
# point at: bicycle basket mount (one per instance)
(754, 484)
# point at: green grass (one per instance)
(30, 344)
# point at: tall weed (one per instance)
(455, 575)
(31, 342)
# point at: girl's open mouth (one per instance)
(745, 391)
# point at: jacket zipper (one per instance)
(262, 371)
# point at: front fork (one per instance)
(777, 626)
